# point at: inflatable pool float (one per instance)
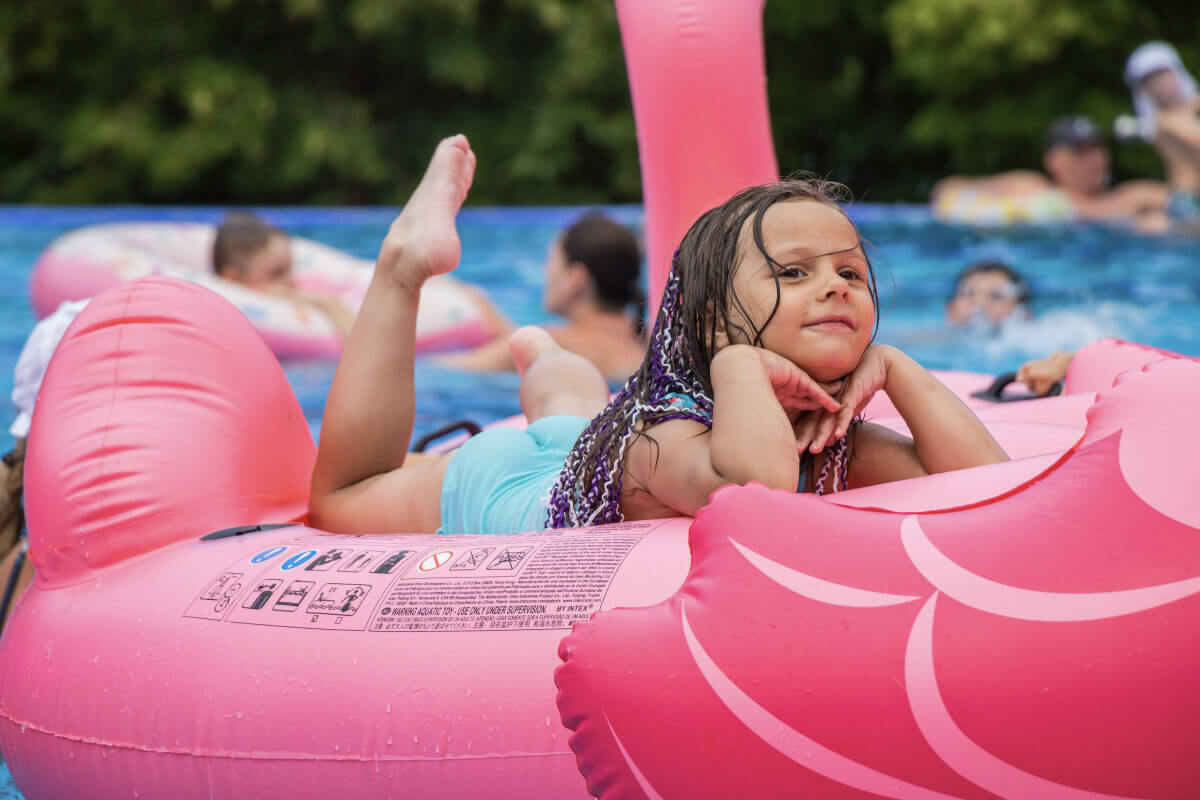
(943, 633)
(969, 206)
(1026, 629)
(87, 261)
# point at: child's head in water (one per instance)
(778, 266)
(988, 293)
(249, 251)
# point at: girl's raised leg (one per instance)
(360, 483)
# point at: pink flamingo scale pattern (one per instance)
(1040, 645)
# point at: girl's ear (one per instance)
(719, 329)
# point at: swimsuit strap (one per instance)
(806, 461)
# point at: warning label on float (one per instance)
(398, 583)
(532, 581)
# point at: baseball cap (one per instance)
(1073, 132)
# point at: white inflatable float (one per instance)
(85, 262)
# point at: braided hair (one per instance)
(682, 345)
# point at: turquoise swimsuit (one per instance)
(500, 480)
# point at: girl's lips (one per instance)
(833, 324)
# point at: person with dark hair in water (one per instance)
(249, 251)
(988, 293)
(593, 280)
(1078, 164)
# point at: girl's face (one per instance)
(825, 317)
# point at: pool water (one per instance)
(1088, 282)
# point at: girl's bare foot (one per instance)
(423, 240)
(553, 380)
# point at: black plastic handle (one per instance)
(462, 425)
(241, 530)
(995, 392)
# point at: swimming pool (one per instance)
(1088, 282)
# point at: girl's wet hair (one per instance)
(682, 345)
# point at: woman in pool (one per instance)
(592, 279)
(768, 314)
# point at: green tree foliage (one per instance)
(992, 74)
(340, 101)
(323, 101)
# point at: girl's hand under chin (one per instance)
(820, 428)
(795, 389)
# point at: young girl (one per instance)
(758, 364)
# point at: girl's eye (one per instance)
(851, 274)
(791, 272)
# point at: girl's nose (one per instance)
(837, 285)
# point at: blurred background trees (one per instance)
(340, 101)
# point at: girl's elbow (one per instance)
(773, 477)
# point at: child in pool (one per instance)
(986, 295)
(767, 317)
(249, 251)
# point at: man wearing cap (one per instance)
(1167, 103)
(1077, 161)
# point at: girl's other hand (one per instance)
(819, 429)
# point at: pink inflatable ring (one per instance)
(886, 638)
(85, 262)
